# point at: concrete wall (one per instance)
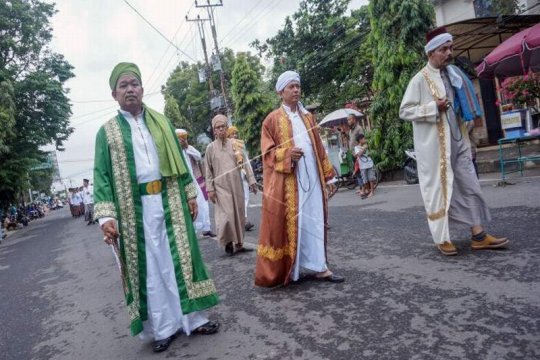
(450, 11)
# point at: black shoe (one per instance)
(162, 345)
(211, 327)
(89, 223)
(240, 249)
(229, 249)
(333, 278)
(209, 233)
(248, 226)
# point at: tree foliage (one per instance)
(193, 98)
(484, 8)
(250, 103)
(322, 43)
(397, 37)
(33, 98)
(41, 180)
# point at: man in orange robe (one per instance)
(295, 204)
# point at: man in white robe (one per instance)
(145, 202)
(193, 156)
(448, 183)
(293, 235)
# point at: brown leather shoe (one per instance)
(447, 248)
(489, 242)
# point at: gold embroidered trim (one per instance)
(437, 215)
(191, 190)
(194, 289)
(442, 151)
(273, 254)
(122, 181)
(104, 209)
(280, 154)
(291, 221)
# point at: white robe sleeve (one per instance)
(413, 109)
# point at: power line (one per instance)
(235, 26)
(104, 110)
(159, 32)
(256, 18)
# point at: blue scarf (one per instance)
(465, 102)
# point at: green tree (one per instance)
(41, 180)
(7, 114)
(251, 105)
(172, 111)
(193, 97)
(321, 42)
(397, 38)
(33, 97)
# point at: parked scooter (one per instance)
(409, 168)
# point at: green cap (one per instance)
(121, 69)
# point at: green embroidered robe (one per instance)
(116, 194)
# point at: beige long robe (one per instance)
(224, 176)
(432, 147)
(433, 144)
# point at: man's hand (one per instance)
(109, 231)
(296, 153)
(330, 190)
(193, 209)
(212, 196)
(253, 188)
(442, 104)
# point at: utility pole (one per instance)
(210, 9)
(208, 71)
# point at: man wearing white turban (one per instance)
(294, 211)
(437, 100)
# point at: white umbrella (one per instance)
(338, 117)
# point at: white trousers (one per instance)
(165, 316)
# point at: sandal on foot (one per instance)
(211, 327)
(229, 249)
(162, 345)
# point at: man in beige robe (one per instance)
(446, 174)
(224, 168)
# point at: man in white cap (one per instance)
(194, 163)
(224, 170)
(438, 100)
(295, 201)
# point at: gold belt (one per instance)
(150, 188)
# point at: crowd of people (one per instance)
(16, 217)
(153, 188)
(81, 202)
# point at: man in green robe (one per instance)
(145, 200)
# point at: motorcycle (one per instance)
(410, 170)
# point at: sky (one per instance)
(94, 36)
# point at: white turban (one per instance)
(437, 41)
(285, 78)
(180, 132)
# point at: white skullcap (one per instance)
(285, 78)
(437, 41)
(180, 132)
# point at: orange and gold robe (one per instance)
(278, 236)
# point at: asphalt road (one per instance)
(61, 293)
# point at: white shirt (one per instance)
(88, 195)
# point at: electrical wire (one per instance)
(159, 32)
